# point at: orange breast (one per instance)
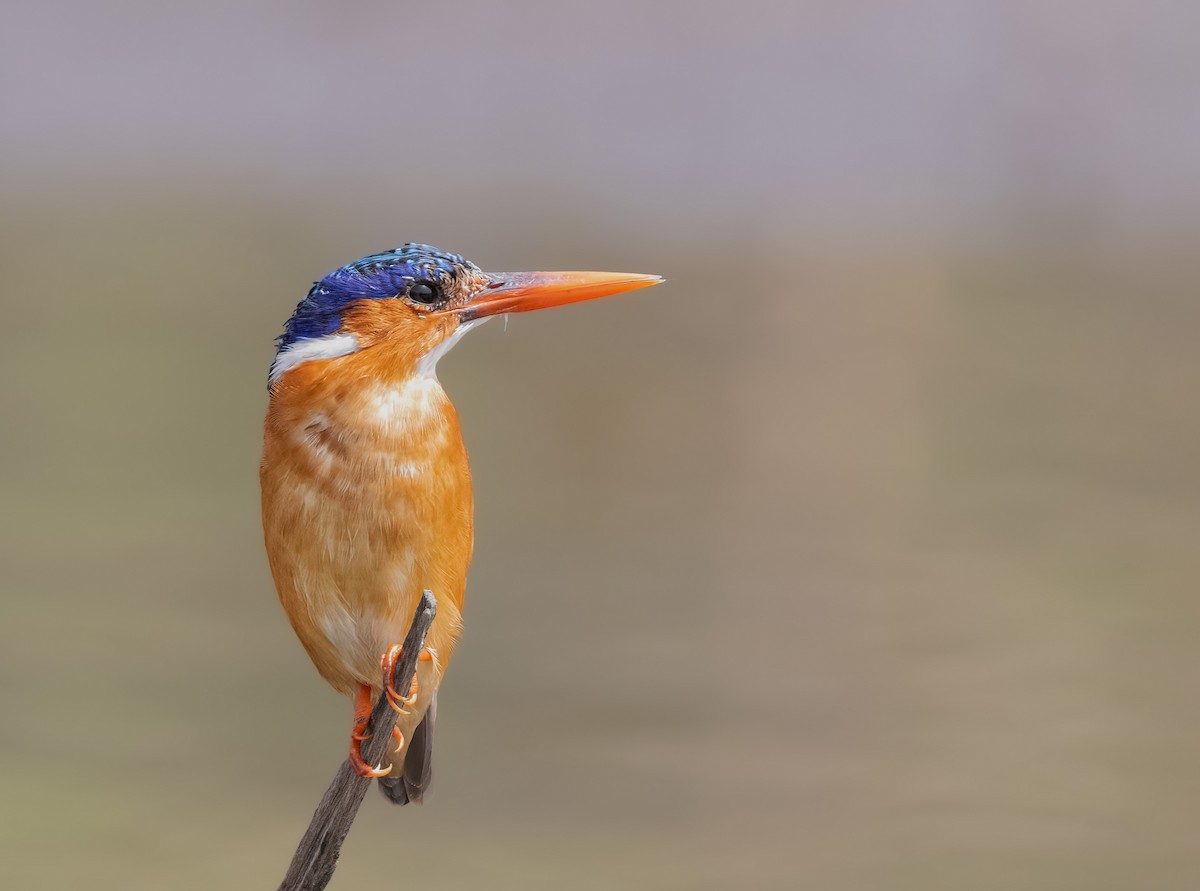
(366, 501)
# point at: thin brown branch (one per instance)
(316, 857)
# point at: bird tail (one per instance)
(409, 782)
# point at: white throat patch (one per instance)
(427, 367)
(328, 347)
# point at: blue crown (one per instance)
(377, 277)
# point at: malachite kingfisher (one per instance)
(366, 492)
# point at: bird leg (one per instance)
(388, 663)
(363, 705)
(362, 714)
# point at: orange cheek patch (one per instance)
(404, 334)
(374, 320)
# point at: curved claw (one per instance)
(387, 663)
(362, 768)
(398, 703)
(398, 736)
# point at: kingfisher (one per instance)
(366, 490)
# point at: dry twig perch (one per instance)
(316, 858)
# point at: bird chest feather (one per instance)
(366, 502)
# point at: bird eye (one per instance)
(425, 292)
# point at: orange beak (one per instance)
(525, 291)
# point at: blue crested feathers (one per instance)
(376, 277)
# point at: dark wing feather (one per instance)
(413, 781)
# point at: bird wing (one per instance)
(413, 781)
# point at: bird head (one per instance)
(413, 303)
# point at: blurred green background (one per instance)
(863, 554)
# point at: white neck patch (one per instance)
(427, 367)
(328, 347)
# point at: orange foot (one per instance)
(362, 714)
(388, 664)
